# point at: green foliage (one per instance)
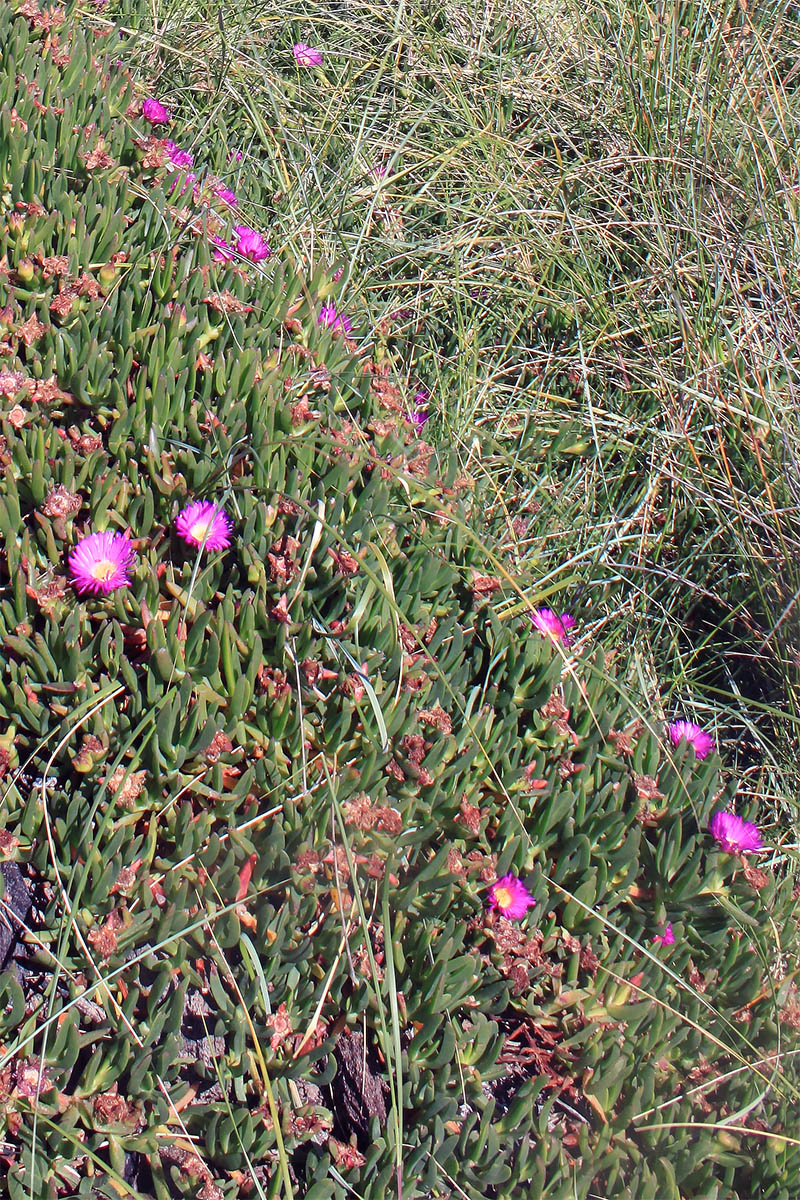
(284, 774)
(570, 241)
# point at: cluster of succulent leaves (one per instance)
(257, 796)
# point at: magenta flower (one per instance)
(306, 56)
(419, 415)
(250, 244)
(223, 252)
(202, 523)
(734, 834)
(186, 181)
(154, 112)
(177, 157)
(333, 320)
(510, 897)
(419, 418)
(687, 731)
(226, 195)
(236, 155)
(551, 625)
(102, 562)
(667, 938)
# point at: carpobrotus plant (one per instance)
(267, 779)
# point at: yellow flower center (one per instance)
(502, 897)
(200, 529)
(104, 570)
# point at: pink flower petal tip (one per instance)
(510, 897)
(155, 112)
(551, 625)
(187, 182)
(222, 252)
(306, 56)
(419, 415)
(102, 562)
(687, 731)
(329, 318)
(419, 418)
(226, 195)
(734, 834)
(202, 523)
(667, 938)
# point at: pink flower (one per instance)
(419, 415)
(177, 157)
(333, 320)
(552, 626)
(202, 523)
(186, 182)
(250, 244)
(419, 418)
(687, 731)
(226, 195)
(667, 938)
(734, 834)
(102, 562)
(510, 897)
(154, 112)
(236, 155)
(305, 56)
(223, 252)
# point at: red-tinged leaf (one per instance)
(245, 876)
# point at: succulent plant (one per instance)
(257, 785)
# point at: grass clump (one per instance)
(260, 790)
